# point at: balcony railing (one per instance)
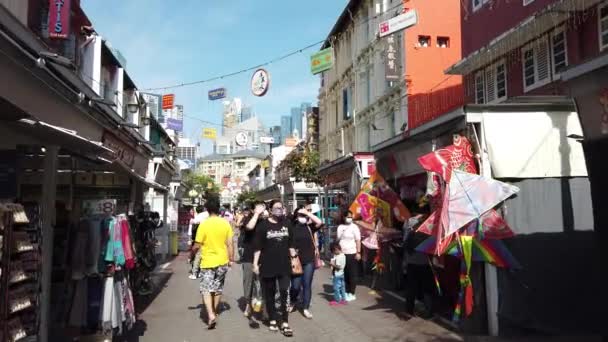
(425, 107)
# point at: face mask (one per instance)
(277, 212)
(348, 220)
(302, 220)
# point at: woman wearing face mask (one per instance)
(349, 237)
(271, 260)
(305, 226)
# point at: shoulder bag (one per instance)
(296, 266)
(318, 262)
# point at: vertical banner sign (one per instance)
(209, 133)
(168, 101)
(322, 61)
(59, 19)
(391, 59)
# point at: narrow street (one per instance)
(175, 315)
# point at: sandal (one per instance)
(272, 326)
(212, 324)
(286, 330)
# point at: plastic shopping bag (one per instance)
(256, 295)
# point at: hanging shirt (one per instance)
(212, 235)
(348, 235)
(273, 240)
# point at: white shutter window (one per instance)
(529, 67)
(536, 64)
(542, 60)
(490, 84)
(476, 4)
(479, 88)
(603, 25)
(559, 56)
(527, 2)
(501, 81)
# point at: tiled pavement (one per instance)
(174, 315)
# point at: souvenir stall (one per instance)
(19, 272)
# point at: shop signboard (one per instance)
(99, 207)
(59, 18)
(398, 23)
(260, 82)
(175, 124)
(322, 61)
(122, 152)
(209, 133)
(168, 101)
(391, 59)
(266, 140)
(216, 94)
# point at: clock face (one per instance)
(260, 82)
(241, 139)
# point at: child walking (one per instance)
(338, 262)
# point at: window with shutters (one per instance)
(603, 25)
(559, 56)
(480, 91)
(536, 64)
(496, 82)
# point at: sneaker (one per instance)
(350, 297)
(333, 303)
(192, 276)
(291, 308)
(307, 314)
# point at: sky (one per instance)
(172, 42)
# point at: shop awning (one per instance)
(271, 192)
(63, 137)
(526, 31)
(121, 166)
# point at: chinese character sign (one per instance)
(391, 59)
(168, 101)
(322, 61)
(59, 18)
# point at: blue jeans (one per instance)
(303, 284)
(339, 288)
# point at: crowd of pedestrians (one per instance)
(279, 254)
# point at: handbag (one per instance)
(318, 262)
(296, 266)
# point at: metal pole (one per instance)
(49, 193)
(295, 199)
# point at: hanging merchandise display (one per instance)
(19, 273)
(465, 224)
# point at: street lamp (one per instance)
(293, 189)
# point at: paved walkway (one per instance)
(174, 315)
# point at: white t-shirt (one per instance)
(348, 235)
(197, 220)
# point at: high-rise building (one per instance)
(286, 128)
(231, 115)
(296, 122)
(246, 113)
(275, 133)
(187, 151)
(179, 115)
(154, 102)
(305, 108)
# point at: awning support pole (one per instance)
(49, 193)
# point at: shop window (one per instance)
(443, 42)
(424, 41)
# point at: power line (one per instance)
(275, 60)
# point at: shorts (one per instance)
(212, 279)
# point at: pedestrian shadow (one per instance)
(222, 308)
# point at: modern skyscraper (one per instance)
(179, 115)
(231, 113)
(305, 108)
(275, 132)
(187, 152)
(154, 103)
(286, 127)
(296, 122)
(246, 113)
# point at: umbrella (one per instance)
(468, 196)
(493, 225)
(487, 250)
(458, 156)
